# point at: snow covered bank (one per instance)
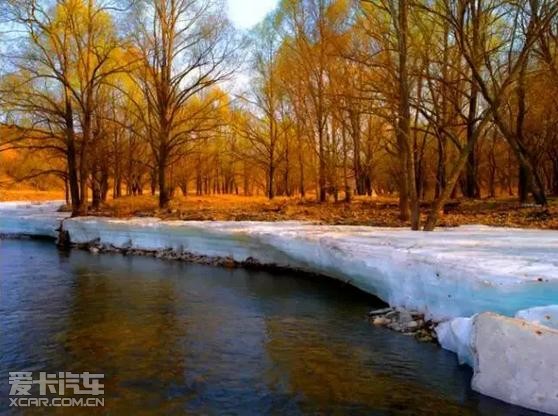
(39, 219)
(446, 274)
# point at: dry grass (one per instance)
(30, 195)
(375, 211)
(237, 208)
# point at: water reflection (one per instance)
(183, 339)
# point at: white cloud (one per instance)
(247, 13)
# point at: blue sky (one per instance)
(246, 13)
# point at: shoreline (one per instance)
(396, 319)
(447, 274)
(401, 320)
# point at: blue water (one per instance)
(173, 338)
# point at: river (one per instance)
(176, 338)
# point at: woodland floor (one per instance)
(376, 211)
(29, 195)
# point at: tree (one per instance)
(69, 52)
(187, 47)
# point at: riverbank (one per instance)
(446, 274)
(450, 273)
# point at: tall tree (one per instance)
(187, 46)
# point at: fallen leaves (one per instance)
(376, 211)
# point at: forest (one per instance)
(426, 101)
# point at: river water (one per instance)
(174, 338)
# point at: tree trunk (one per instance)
(439, 203)
(441, 167)
(270, 181)
(104, 184)
(360, 179)
(95, 192)
(404, 124)
(471, 187)
(66, 189)
(522, 185)
(301, 185)
(164, 197)
(321, 170)
(492, 165)
(73, 178)
(83, 191)
(71, 155)
(555, 177)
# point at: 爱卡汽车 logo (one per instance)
(29, 390)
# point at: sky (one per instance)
(247, 13)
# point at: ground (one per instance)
(29, 194)
(376, 211)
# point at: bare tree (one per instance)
(187, 46)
